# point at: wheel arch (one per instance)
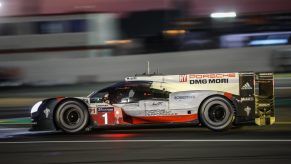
(231, 101)
(69, 99)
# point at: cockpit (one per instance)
(128, 92)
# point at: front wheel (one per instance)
(72, 117)
(216, 113)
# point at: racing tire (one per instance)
(216, 113)
(72, 117)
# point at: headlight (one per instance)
(35, 107)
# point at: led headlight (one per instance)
(35, 107)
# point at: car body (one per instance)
(216, 100)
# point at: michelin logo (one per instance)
(105, 109)
(247, 86)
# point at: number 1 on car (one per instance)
(105, 116)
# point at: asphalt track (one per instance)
(183, 143)
(149, 145)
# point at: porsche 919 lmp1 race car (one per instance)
(216, 100)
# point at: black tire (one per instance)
(216, 113)
(72, 117)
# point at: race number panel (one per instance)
(105, 116)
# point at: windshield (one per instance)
(124, 92)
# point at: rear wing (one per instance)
(264, 96)
(256, 98)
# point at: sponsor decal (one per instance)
(216, 78)
(183, 78)
(183, 97)
(247, 110)
(94, 110)
(213, 76)
(246, 99)
(105, 109)
(102, 105)
(246, 86)
(158, 112)
(46, 112)
(208, 81)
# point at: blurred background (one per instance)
(71, 47)
(51, 48)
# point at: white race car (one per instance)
(216, 100)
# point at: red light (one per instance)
(117, 135)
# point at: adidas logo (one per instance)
(247, 86)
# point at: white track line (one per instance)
(12, 129)
(135, 141)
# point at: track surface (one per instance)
(163, 145)
(150, 144)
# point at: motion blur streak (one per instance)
(109, 141)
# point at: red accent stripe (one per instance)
(228, 95)
(163, 119)
(59, 98)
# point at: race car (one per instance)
(215, 100)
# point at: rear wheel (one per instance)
(72, 117)
(217, 113)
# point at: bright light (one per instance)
(118, 41)
(174, 32)
(268, 42)
(223, 15)
(35, 107)
(0, 4)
